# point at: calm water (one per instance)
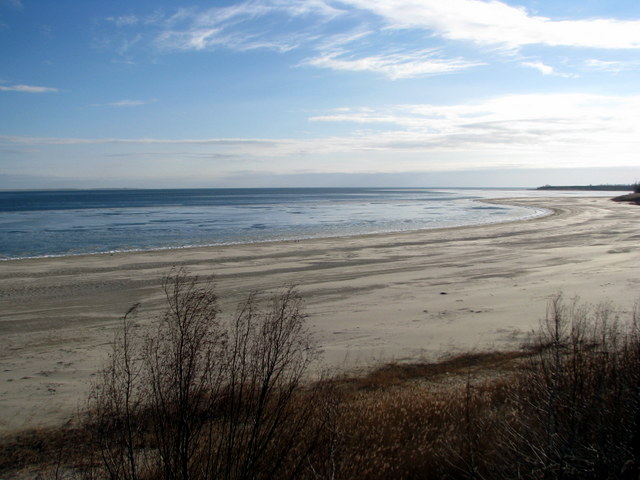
(52, 223)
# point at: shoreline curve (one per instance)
(371, 298)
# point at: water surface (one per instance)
(53, 223)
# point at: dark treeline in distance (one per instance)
(599, 188)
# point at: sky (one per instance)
(276, 93)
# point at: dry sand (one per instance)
(371, 298)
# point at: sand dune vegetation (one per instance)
(630, 197)
(200, 395)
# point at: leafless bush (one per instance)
(264, 428)
(576, 406)
(198, 398)
(203, 398)
(117, 406)
(568, 407)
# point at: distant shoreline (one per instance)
(598, 188)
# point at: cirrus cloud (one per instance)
(515, 123)
(394, 65)
(522, 131)
(497, 23)
(124, 103)
(27, 89)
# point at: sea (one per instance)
(76, 222)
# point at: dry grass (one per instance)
(565, 406)
(633, 198)
(484, 364)
(44, 453)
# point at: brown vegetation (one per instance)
(630, 197)
(200, 398)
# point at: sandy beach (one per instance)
(370, 299)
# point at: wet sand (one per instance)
(371, 299)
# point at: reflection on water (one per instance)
(76, 222)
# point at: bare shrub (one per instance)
(184, 369)
(264, 417)
(198, 398)
(117, 406)
(568, 407)
(203, 398)
(576, 405)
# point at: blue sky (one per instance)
(318, 92)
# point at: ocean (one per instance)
(74, 222)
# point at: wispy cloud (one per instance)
(27, 89)
(124, 20)
(124, 103)
(206, 38)
(343, 35)
(513, 122)
(27, 140)
(393, 65)
(499, 24)
(12, 3)
(178, 154)
(613, 66)
(235, 26)
(541, 67)
(547, 69)
(527, 130)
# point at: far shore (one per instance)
(370, 299)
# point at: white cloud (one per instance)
(496, 23)
(353, 43)
(509, 122)
(235, 26)
(124, 20)
(210, 38)
(393, 65)
(27, 140)
(573, 124)
(124, 103)
(612, 66)
(189, 40)
(547, 69)
(541, 67)
(528, 130)
(27, 89)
